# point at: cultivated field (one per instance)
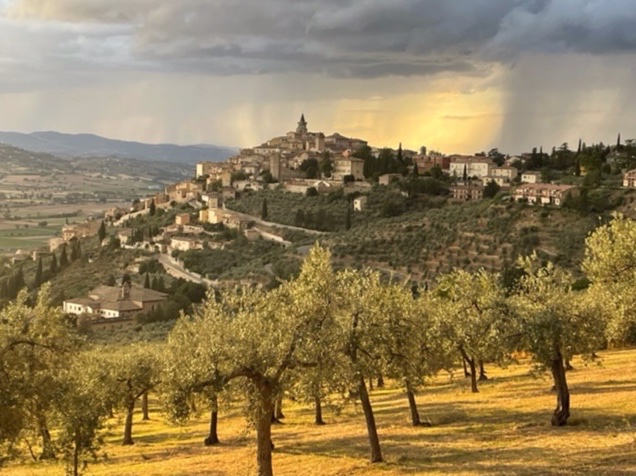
(503, 430)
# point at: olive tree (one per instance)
(132, 372)
(187, 379)
(36, 344)
(610, 264)
(81, 407)
(474, 317)
(261, 338)
(360, 324)
(554, 323)
(413, 347)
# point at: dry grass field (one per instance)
(503, 430)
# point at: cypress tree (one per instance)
(161, 285)
(300, 217)
(264, 213)
(154, 283)
(11, 289)
(63, 257)
(153, 208)
(37, 281)
(53, 266)
(102, 232)
(147, 281)
(577, 168)
(19, 280)
(74, 251)
(618, 141)
(465, 174)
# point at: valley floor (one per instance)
(503, 430)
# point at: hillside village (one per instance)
(192, 226)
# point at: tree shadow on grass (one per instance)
(464, 449)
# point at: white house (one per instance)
(109, 302)
(474, 166)
(359, 204)
(531, 177)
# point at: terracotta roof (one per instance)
(120, 306)
(137, 293)
(545, 186)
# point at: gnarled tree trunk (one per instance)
(374, 441)
(466, 372)
(76, 451)
(415, 416)
(380, 381)
(144, 407)
(264, 427)
(213, 438)
(473, 370)
(482, 372)
(48, 450)
(562, 410)
(318, 406)
(130, 410)
(279, 408)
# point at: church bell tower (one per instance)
(302, 125)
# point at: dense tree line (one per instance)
(321, 336)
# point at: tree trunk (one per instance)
(76, 456)
(144, 406)
(279, 408)
(415, 416)
(473, 376)
(264, 428)
(129, 424)
(370, 384)
(562, 410)
(318, 405)
(466, 372)
(213, 438)
(380, 381)
(482, 372)
(568, 366)
(48, 450)
(374, 441)
(273, 419)
(473, 370)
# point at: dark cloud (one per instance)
(351, 38)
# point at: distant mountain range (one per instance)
(90, 145)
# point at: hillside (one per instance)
(90, 145)
(503, 430)
(425, 236)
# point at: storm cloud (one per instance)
(341, 38)
(453, 74)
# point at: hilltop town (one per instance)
(408, 213)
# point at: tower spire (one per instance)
(302, 125)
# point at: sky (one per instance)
(457, 76)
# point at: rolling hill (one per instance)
(90, 145)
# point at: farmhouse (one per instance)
(110, 302)
(629, 179)
(544, 193)
(348, 166)
(467, 192)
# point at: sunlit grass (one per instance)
(503, 430)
